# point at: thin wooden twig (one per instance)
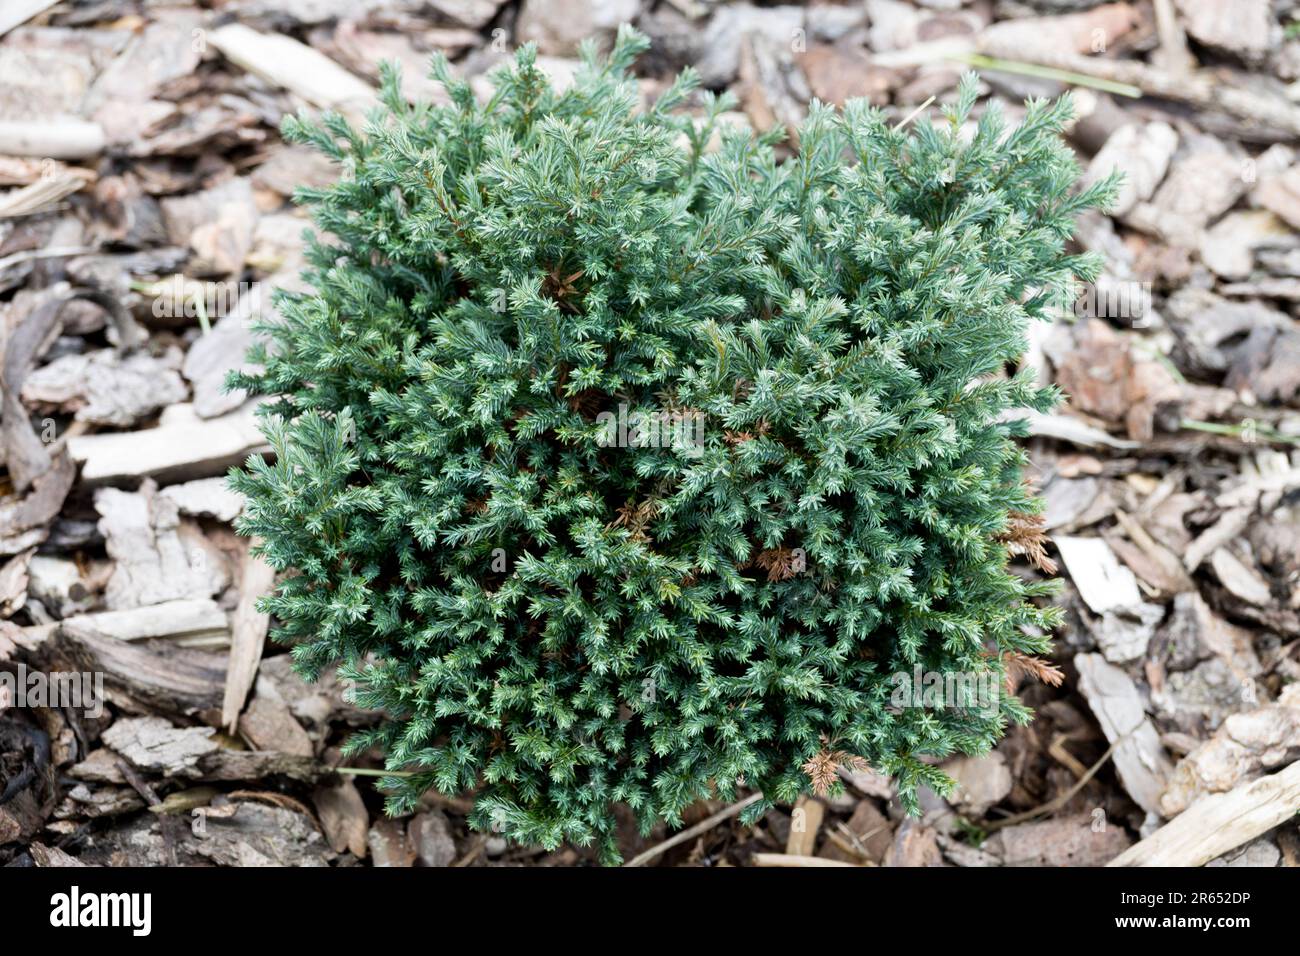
(847, 843)
(1053, 805)
(166, 824)
(474, 852)
(1173, 54)
(1063, 756)
(690, 832)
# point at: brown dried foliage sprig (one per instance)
(1017, 665)
(781, 564)
(1025, 535)
(823, 769)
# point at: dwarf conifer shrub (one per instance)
(617, 470)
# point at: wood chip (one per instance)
(1072, 841)
(1203, 183)
(26, 454)
(154, 745)
(868, 782)
(1067, 428)
(261, 835)
(1246, 744)
(104, 387)
(838, 73)
(1141, 152)
(1217, 823)
(1248, 491)
(1241, 581)
(868, 833)
(773, 89)
(981, 782)
(388, 844)
(1231, 523)
(18, 12)
(41, 196)
(1163, 569)
(24, 520)
(343, 816)
(429, 836)
(1228, 247)
(158, 555)
(206, 498)
(914, 845)
(13, 582)
(1244, 27)
(1140, 759)
(283, 61)
(805, 823)
(221, 351)
(1070, 31)
(217, 224)
(188, 623)
(1103, 583)
(183, 446)
(150, 677)
(1280, 194)
(268, 724)
(248, 631)
(47, 856)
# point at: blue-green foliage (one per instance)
(561, 625)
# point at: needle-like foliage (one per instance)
(614, 468)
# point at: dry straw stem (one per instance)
(786, 860)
